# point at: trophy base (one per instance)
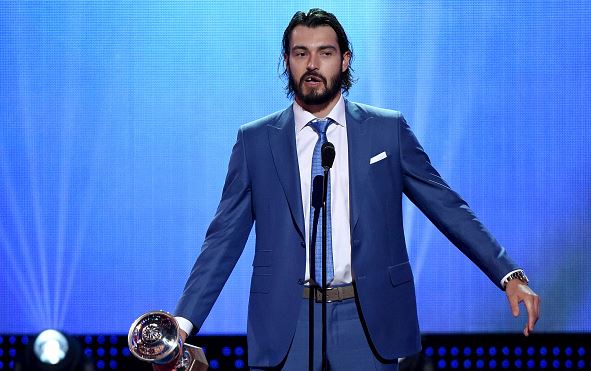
(193, 360)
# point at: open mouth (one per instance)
(312, 80)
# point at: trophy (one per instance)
(155, 337)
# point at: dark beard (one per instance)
(317, 98)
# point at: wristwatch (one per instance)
(517, 275)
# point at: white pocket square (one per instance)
(378, 157)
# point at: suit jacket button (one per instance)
(302, 244)
(300, 281)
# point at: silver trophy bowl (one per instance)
(155, 337)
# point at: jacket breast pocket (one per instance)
(400, 273)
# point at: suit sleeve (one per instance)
(447, 210)
(224, 242)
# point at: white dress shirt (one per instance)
(306, 139)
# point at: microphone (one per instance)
(327, 154)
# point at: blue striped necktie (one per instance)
(320, 126)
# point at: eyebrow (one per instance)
(321, 47)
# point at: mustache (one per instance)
(312, 74)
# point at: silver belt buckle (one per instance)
(338, 294)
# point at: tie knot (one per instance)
(320, 125)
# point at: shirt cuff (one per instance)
(185, 324)
(505, 279)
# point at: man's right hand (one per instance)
(183, 335)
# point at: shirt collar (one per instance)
(303, 117)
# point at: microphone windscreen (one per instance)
(327, 154)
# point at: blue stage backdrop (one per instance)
(117, 120)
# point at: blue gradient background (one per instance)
(117, 120)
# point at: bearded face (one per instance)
(316, 65)
(315, 89)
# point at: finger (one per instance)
(536, 311)
(532, 312)
(514, 302)
(533, 309)
(526, 331)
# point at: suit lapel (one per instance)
(283, 147)
(358, 139)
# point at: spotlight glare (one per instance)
(51, 347)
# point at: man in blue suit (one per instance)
(372, 318)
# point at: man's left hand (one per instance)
(518, 292)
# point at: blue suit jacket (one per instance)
(263, 185)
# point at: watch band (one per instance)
(517, 275)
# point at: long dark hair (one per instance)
(315, 18)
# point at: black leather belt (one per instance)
(332, 293)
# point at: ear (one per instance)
(346, 60)
(286, 61)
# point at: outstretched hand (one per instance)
(518, 292)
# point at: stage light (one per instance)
(531, 351)
(518, 363)
(506, 351)
(467, 351)
(239, 364)
(55, 351)
(543, 363)
(51, 347)
(492, 351)
(543, 351)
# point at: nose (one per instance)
(312, 62)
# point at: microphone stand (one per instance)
(324, 283)
(327, 156)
